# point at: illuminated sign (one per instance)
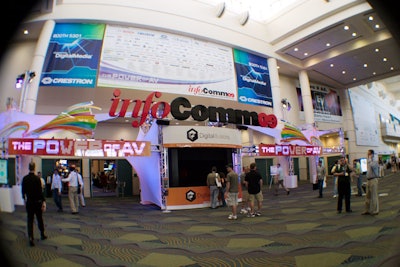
(181, 109)
(288, 150)
(78, 148)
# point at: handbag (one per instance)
(217, 181)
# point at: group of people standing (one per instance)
(343, 174)
(251, 183)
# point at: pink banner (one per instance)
(288, 150)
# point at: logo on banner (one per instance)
(190, 195)
(192, 135)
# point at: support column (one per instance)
(309, 117)
(32, 89)
(276, 98)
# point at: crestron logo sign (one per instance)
(190, 195)
(192, 135)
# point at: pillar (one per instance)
(32, 89)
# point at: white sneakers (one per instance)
(232, 217)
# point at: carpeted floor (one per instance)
(294, 230)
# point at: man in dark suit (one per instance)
(35, 202)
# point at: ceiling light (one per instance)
(377, 50)
(220, 9)
(391, 68)
(370, 18)
(343, 72)
(377, 26)
(354, 34)
(384, 59)
(354, 79)
(331, 65)
(296, 49)
(328, 44)
(374, 73)
(26, 32)
(244, 17)
(346, 28)
(365, 65)
(306, 54)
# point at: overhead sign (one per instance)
(288, 150)
(201, 136)
(78, 148)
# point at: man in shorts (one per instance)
(232, 191)
(254, 184)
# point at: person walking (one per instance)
(212, 185)
(279, 180)
(222, 189)
(245, 193)
(254, 184)
(35, 202)
(74, 180)
(232, 190)
(342, 171)
(81, 195)
(371, 196)
(321, 173)
(56, 189)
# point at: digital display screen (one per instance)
(3, 171)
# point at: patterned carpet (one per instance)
(294, 230)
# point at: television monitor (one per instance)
(190, 166)
(3, 171)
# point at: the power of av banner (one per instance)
(288, 150)
(78, 147)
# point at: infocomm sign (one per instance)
(181, 109)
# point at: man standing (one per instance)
(254, 186)
(232, 191)
(56, 188)
(212, 185)
(278, 180)
(371, 196)
(342, 171)
(321, 177)
(74, 180)
(35, 202)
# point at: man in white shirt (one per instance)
(73, 179)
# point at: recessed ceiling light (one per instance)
(354, 79)
(370, 18)
(306, 54)
(346, 28)
(343, 72)
(374, 73)
(377, 26)
(354, 34)
(384, 59)
(377, 50)
(278, 67)
(296, 49)
(328, 44)
(26, 32)
(331, 65)
(365, 65)
(391, 68)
